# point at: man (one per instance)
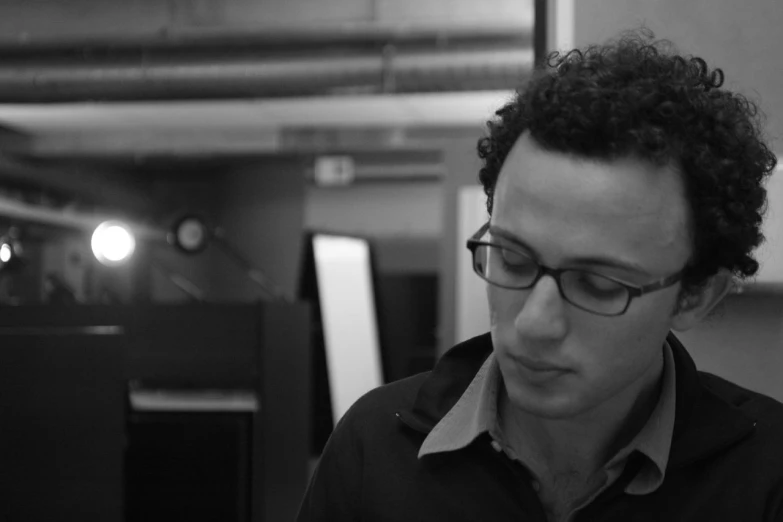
(625, 194)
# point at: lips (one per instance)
(537, 366)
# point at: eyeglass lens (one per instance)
(511, 269)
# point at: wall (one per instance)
(410, 209)
(745, 42)
(264, 206)
(184, 194)
(744, 343)
(261, 207)
(462, 165)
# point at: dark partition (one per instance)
(62, 399)
(188, 466)
(67, 376)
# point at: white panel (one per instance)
(349, 321)
(770, 253)
(471, 299)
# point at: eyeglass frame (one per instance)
(634, 291)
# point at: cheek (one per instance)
(504, 305)
(492, 309)
(620, 348)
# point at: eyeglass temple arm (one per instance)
(657, 285)
(479, 233)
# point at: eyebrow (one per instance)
(603, 261)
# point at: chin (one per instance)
(547, 403)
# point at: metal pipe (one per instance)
(273, 38)
(419, 71)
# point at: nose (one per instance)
(542, 316)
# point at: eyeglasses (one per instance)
(599, 294)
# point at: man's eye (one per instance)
(512, 258)
(516, 263)
(599, 285)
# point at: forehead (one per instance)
(568, 207)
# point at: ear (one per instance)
(696, 307)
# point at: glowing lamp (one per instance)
(113, 243)
(6, 252)
(10, 250)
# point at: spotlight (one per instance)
(10, 249)
(189, 234)
(113, 243)
(6, 252)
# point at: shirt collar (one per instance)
(475, 413)
(654, 440)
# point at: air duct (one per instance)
(195, 70)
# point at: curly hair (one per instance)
(635, 97)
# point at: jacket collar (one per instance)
(446, 383)
(704, 423)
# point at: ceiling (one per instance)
(240, 127)
(424, 109)
(67, 143)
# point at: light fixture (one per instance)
(6, 252)
(10, 249)
(113, 243)
(189, 234)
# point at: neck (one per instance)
(584, 443)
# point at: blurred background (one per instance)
(281, 191)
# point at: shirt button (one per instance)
(496, 446)
(536, 485)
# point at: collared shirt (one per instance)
(476, 413)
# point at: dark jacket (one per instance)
(725, 464)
